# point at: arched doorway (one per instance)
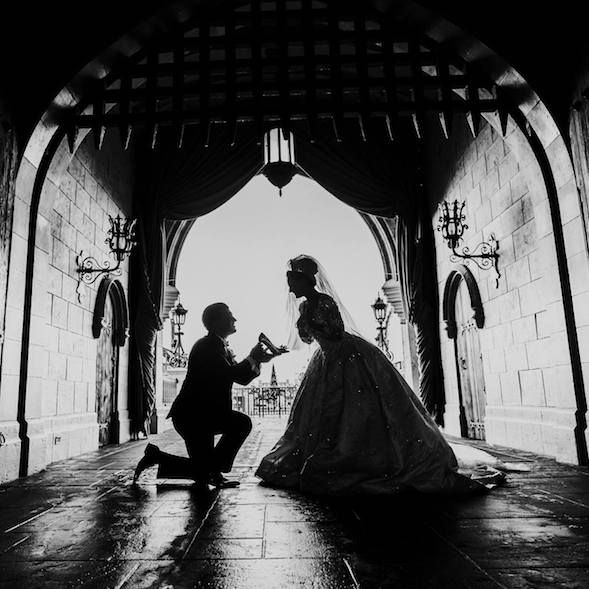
(463, 314)
(110, 327)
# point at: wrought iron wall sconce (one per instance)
(452, 225)
(121, 241)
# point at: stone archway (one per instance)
(47, 144)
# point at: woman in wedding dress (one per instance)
(355, 425)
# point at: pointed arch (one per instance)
(460, 274)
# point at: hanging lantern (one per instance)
(279, 161)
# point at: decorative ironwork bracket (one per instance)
(484, 255)
(89, 269)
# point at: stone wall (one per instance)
(61, 374)
(526, 359)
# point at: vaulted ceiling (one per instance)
(44, 46)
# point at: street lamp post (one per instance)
(178, 318)
(380, 314)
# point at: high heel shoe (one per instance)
(274, 350)
(150, 458)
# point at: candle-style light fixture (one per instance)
(279, 159)
(380, 314)
(451, 224)
(121, 241)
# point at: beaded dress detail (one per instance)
(355, 425)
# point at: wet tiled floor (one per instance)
(80, 523)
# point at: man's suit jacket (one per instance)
(206, 392)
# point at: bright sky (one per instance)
(238, 254)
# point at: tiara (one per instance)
(305, 265)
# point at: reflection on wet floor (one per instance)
(81, 524)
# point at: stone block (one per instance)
(25, 180)
(525, 239)
(75, 369)
(500, 200)
(531, 298)
(66, 342)
(89, 230)
(493, 389)
(68, 186)
(76, 217)
(561, 165)
(511, 219)
(510, 389)
(517, 274)
(516, 358)
(509, 305)
(579, 273)
(490, 184)
(69, 288)
(77, 170)
(18, 255)
(508, 169)
(52, 339)
(543, 259)
(496, 360)
(59, 312)
(60, 256)
(519, 186)
(542, 219)
(57, 365)
(550, 321)
(34, 402)
(581, 306)
(506, 251)
(558, 385)
(61, 205)
(569, 202)
(11, 354)
(38, 361)
(494, 154)
(90, 185)
(583, 335)
(65, 397)
(479, 171)
(532, 388)
(75, 318)
(482, 216)
(20, 218)
(49, 406)
(574, 237)
(81, 397)
(474, 199)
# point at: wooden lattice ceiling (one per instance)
(276, 62)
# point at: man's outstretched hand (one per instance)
(260, 355)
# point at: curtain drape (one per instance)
(416, 267)
(175, 184)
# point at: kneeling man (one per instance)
(203, 407)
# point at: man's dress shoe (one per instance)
(150, 458)
(221, 482)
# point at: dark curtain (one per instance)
(416, 267)
(374, 178)
(176, 184)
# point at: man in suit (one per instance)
(203, 407)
